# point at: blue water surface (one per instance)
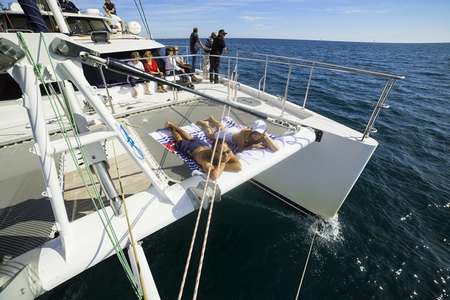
(391, 238)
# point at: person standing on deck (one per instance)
(217, 49)
(109, 7)
(194, 45)
(207, 51)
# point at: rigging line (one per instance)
(113, 237)
(140, 14)
(194, 234)
(130, 230)
(306, 262)
(145, 18)
(142, 17)
(254, 182)
(208, 223)
(106, 89)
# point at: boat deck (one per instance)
(26, 219)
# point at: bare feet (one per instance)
(134, 93)
(215, 123)
(203, 123)
(169, 125)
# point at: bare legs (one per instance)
(178, 133)
(210, 125)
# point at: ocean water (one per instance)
(391, 238)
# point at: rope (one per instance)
(194, 234)
(106, 89)
(205, 238)
(141, 12)
(145, 19)
(130, 231)
(277, 196)
(306, 263)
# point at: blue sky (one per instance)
(343, 20)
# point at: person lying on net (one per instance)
(201, 152)
(254, 137)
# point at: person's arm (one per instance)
(233, 165)
(206, 165)
(217, 171)
(199, 42)
(269, 143)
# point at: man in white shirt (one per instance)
(170, 62)
(172, 67)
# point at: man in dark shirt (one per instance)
(109, 7)
(194, 45)
(216, 50)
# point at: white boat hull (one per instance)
(320, 177)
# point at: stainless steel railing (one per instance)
(232, 63)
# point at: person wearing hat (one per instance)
(217, 49)
(254, 137)
(109, 7)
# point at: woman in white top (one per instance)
(239, 139)
(135, 62)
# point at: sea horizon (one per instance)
(313, 40)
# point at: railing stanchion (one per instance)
(286, 90)
(265, 74)
(376, 111)
(229, 79)
(236, 75)
(307, 87)
(175, 91)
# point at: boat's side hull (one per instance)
(320, 177)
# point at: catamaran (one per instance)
(88, 170)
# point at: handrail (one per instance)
(307, 64)
(291, 62)
(318, 64)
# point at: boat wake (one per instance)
(328, 230)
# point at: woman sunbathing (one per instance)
(201, 152)
(247, 138)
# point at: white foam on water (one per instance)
(406, 217)
(398, 273)
(328, 230)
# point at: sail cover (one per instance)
(33, 14)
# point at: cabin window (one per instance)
(79, 26)
(85, 26)
(12, 22)
(98, 25)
